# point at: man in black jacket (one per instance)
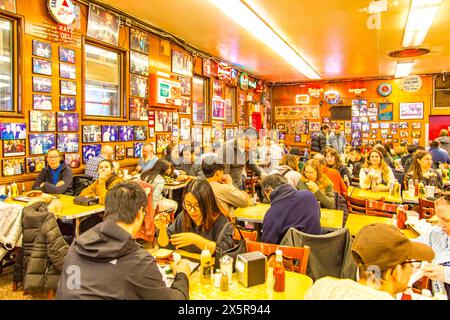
(106, 263)
(56, 177)
(319, 141)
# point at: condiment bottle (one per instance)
(279, 272)
(421, 189)
(416, 187)
(205, 266)
(14, 190)
(23, 188)
(224, 281)
(226, 265)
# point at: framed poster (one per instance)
(163, 121)
(138, 109)
(14, 148)
(185, 129)
(41, 121)
(126, 133)
(68, 142)
(91, 151)
(207, 134)
(41, 84)
(35, 164)
(139, 63)
(182, 63)
(138, 86)
(162, 141)
(13, 167)
(73, 160)
(218, 109)
(68, 87)
(139, 41)
(137, 146)
(8, 5)
(67, 71)
(140, 133)
(41, 143)
(168, 91)
(67, 103)
(110, 133)
(386, 111)
(103, 25)
(66, 55)
(185, 107)
(42, 102)
(67, 121)
(186, 87)
(92, 133)
(42, 66)
(42, 49)
(11, 131)
(130, 152)
(197, 136)
(411, 110)
(120, 152)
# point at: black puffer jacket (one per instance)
(42, 255)
(319, 142)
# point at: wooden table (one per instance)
(363, 194)
(71, 211)
(171, 187)
(296, 287)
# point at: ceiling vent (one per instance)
(408, 52)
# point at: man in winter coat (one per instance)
(444, 140)
(106, 263)
(319, 141)
(289, 209)
(337, 139)
(56, 177)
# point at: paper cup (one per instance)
(125, 173)
(429, 191)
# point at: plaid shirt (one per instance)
(437, 239)
(91, 168)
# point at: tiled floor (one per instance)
(6, 292)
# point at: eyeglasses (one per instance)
(188, 207)
(414, 264)
(309, 173)
(54, 157)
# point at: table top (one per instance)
(296, 286)
(70, 210)
(175, 186)
(363, 194)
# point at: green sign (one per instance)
(164, 90)
(243, 81)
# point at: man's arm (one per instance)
(66, 177)
(39, 180)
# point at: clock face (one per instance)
(63, 11)
(384, 89)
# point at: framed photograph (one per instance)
(416, 125)
(365, 135)
(374, 125)
(281, 126)
(281, 135)
(66, 55)
(297, 138)
(67, 121)
(139, 63)
(68, 87)
(73, 160)
(14, 148)
(364, 119)
(404, 134)
(139, 41)
(138, 86)
(138, 109)
(386, 111)
(315, 126)
(175, 118)
(40, 143)
(217, 89)
(185, 129)
(373, 136)
(182, 63)
(42, 102)
(197, 136)
(356, 126)
(42, 121)
(394, 125)
(325, 119)
(416, 142)
(218, 109)
(207, 67)
(163, 121)
(384, 131)
(186, 85)
(394, 131)
(42, 66)
(91, 151)
(404, 142)
(229, 134)
(207, 136)
(35, 164)
(120, 152)
(138, 149)
(185, 107)
(140, 133)
(67, 103)
(151, 132)
(12, 131)
(126, 133)
(384, 125)
(411, 110)
(103, 25)
(374, 131)
(67, 71)
(42, 49)
(92, 133)
(347, 132)
(130, 152)
(162, 141)
(68, 142)
(41, 84)
(365, 127)
(403, 125)
(13, 167)
(110, 133)
(416, 134)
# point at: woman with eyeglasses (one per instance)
(375, 173)
(334, 161)
(421, 169)
(199, 225)
(320, 185)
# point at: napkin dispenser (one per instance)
(251, 268)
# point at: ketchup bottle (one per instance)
(279, 272)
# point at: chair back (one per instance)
(381, 209)
(246, 234)
(426, 208)
(79, 183)
(341, 204)
(294, 258)
(355, 205)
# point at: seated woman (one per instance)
(155, 177)
(314, 180)
(375, 172)
(288, 168)
(421, 169)
(199, 225)
(334, 161)
(386, 155)
(190, 167)
(107, 179)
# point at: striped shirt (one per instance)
(91, 168)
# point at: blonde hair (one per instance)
(291, 161)
(322, 180)
(443, 133)
(383, 166)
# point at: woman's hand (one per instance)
(160, 221)
(434, 271)
(182, 177)
(184, 239)
(312, 186)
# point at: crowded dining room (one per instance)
(217, 150)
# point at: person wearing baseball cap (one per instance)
(385, 259)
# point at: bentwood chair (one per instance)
(294, 258)
(355, 205)
(381, 209)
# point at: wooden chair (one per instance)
(354, 205)
(426, 208)
(381, 209)
(250, 182)
(246, 234)
(290, 254)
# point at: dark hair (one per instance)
(411, 148)
(160, 167)
(210, 165)
(324, 127)
(272, 181)
(415, 168)
(202, 191)
(356, 149)
(112, 177)
(54, 150)
(123, 202)
(434, 144)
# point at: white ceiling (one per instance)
(331, 34)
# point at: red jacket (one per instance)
(147, 231)
(338, 184)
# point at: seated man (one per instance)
(334, 175)
(439, 238)
(148, 159)
(110, 264)
(56, 177)
(289, 209)
(439, 155)
(227, 195)
(356, 161)
(91, 169)
(385, 259)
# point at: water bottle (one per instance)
(411, 188)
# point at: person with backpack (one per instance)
(319, 141)
(288, 168)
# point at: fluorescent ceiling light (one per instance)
(403, 69)
(243, 15)
(420, 18)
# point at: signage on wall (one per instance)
(252, 83)
(243, 81)
(224, 71)
(357, 91)
(384, 89)
(331, 96)
(259, 86)
(63, 11)
(168, 92)
(65, 32)
(315, 92)
(302, 99)
(411, 83)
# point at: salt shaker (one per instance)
(217, 278)
(226, 265)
